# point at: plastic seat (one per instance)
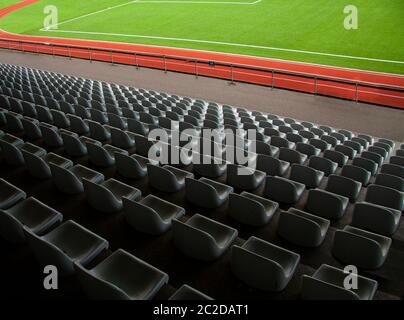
(388, 180)
(272, 166)
(31, 214)
(106, 281)
(399, 161)
(376, 218)
(188, 293)
(78, 125)
(74, 145)
(327, 283)
(131, 166)
(367, 250)
(320, 144)
(356, 173)
(122, 139)
(302, 228)
(66, 245)
(208, 167)
(393, 169)
(346, 150)
(44, 114)
(167, 178)
(333, 141)
(202, 238)
(282, 143)
(60, 119)
(117, 121)
(69, 181)
(14, 123)
(385, 196)
(381, 149)
(266, 149)
(31, 128)
(244, 178)
(322, 164)
(151, 215)
(344, 186)
(354, 145)
(337, 157)
(38, 166)
(98, 131)
(107, 196)
(145, 146)
(12, 150)
(326, 204)
(206, 193)
(307, 149)
(263, 265)
(250, 209)
(50, 135)
(366, 164)
(292, 156)
(102, 156)
(10, 194)
(283, 190)
(310, 177)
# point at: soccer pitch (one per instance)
(298, 30)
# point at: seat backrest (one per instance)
(385, 196)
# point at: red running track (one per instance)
(306, 84)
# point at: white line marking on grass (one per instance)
(90, 14)
(151, 1)
(228, 44)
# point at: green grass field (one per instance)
(300, 30)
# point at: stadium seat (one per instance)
(38, 166)
(132, 167)
(344, 186)
(302, 228)
(167, 178)
(206, 193)
(202, 238)
(327, 283)
(292, 156)
(263, 265)
(393, 169)
(9, 194)
(376, 218)
(102, 156)
(310, 177)
(367, 250)
(399, 161)
(337, 157)
(66, 245)
(385, 196)
(326, 204)
(106, 281)
(356, 173)
(322, 164)
(244, 178)
(250, 209)
(30, 214)
(366, 164)
(98, 131)
(32, 130)
(208, 167)
(388, 180)
(50, 135)
(107, 196)
(272, 166)
(283, 190)
(151, 215)
(69, 180)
